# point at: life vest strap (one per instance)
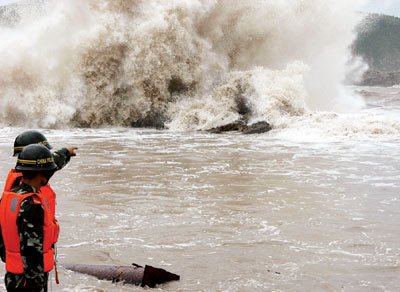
(36, 200)
(56, 273)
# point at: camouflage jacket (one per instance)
(30, 228)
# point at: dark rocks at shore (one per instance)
(257, 128)
(235, 126)
(241, 126)
(378, 43)
(380, 78)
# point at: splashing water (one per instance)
(187, 65)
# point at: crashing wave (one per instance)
(182, 64)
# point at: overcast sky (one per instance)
(6, 1)
(391, 7)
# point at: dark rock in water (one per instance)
(380, 78)
(257, 128)
(235, 126)
(241, 126)
(152, 120)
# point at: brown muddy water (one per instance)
(229, 212)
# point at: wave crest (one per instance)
(184, 64)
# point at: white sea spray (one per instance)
(186, 65)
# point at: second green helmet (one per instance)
(28, 138)
(35, 157)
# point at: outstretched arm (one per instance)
(63, 156)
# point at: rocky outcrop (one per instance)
(257, 128)
(243, 127)
(380, 78)
(378, 43)
(242, 124)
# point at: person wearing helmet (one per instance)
(28, 226)
(61, 159)
(61, 156)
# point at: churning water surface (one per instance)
(231, 212)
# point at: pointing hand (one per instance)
(72, 150)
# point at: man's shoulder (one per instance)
(30, 203)
(22, 189)
(31, 211)
(27, 203)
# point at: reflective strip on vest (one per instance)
(14, 205)
(47, 203)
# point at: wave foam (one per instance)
(184, 64)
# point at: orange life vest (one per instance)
(46, 190)
(13, 175)
(9, 210)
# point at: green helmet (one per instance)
(28, 138)
(35, 157)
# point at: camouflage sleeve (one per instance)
(30, 228)
(61, 157)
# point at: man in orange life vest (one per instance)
(14, 179)
(28, 226)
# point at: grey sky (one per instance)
(2, 2)
(390, 7)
